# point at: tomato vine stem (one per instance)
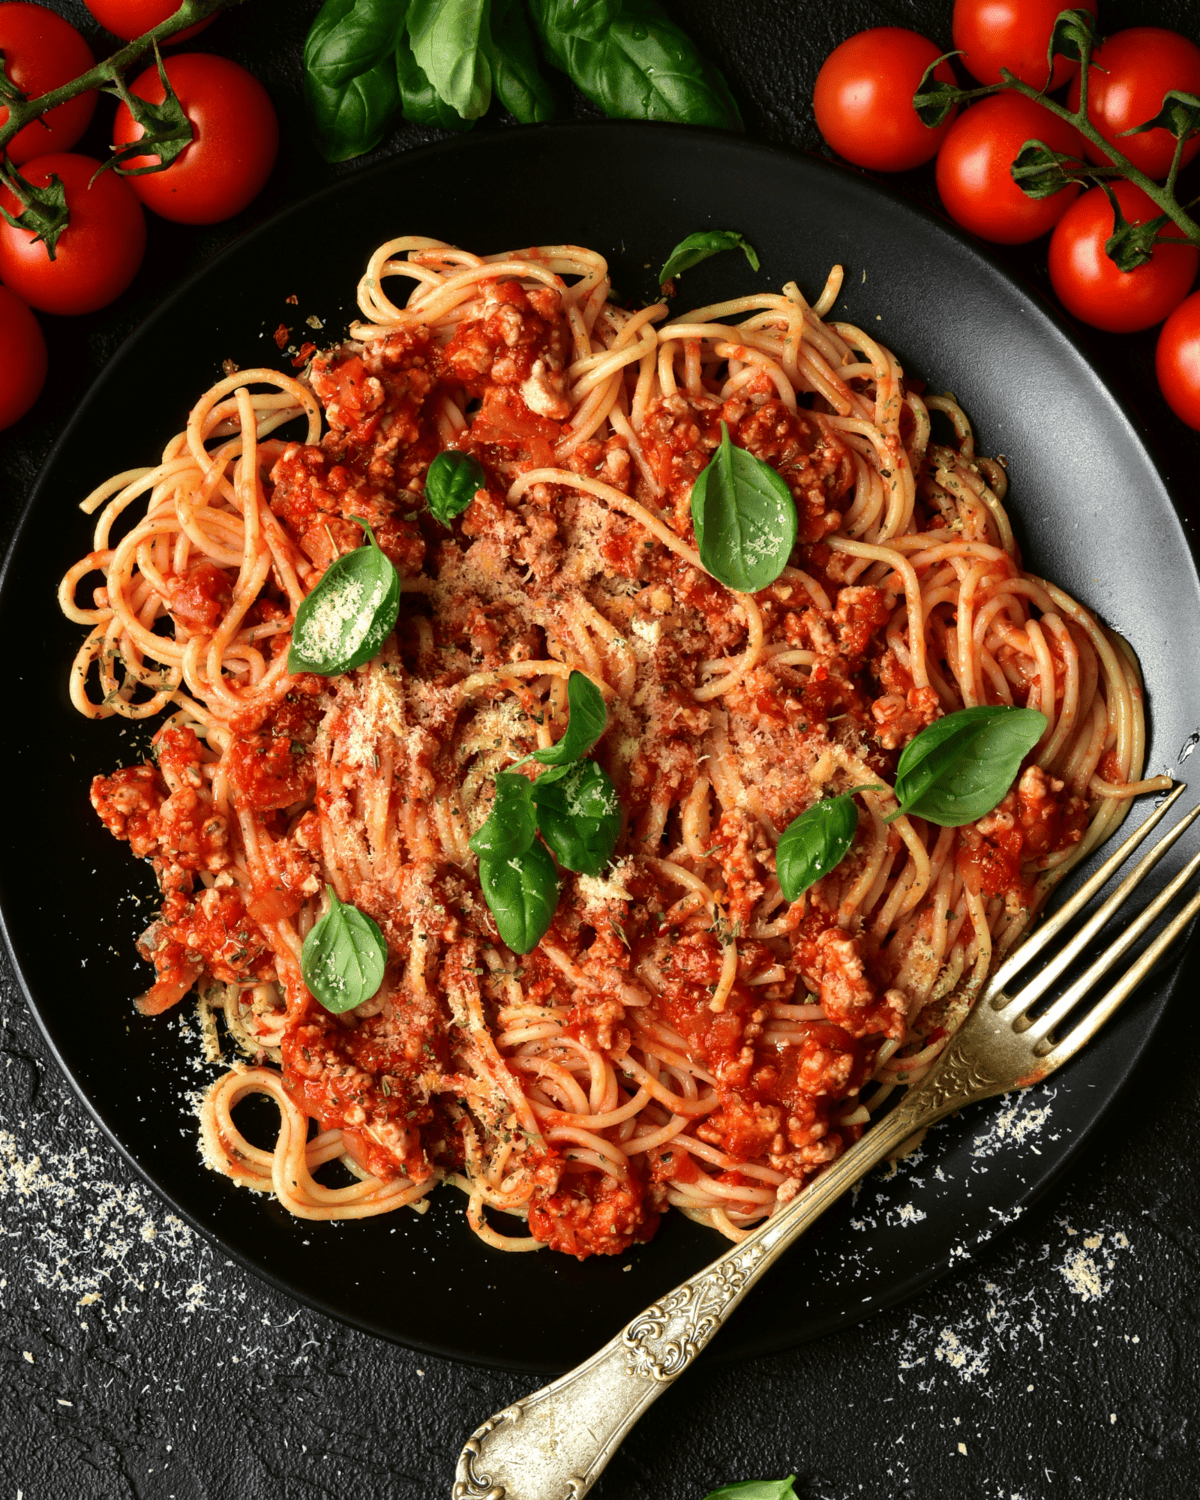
(22, 112)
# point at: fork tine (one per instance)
(1046, 1023)
(1100, 1012)
(1050, 929)
(1042, 981)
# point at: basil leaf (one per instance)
(756, 1489)
(450, 484)
(745, 518)
(699, 246)
(350, 83)
(348, 616)
(343, 957)
(579, 816)
(516, 78)
(450, 42)
(512, 823)
(588, 718)
(815, 843)
(419, 100)
(627, 57)
(522, 892)
(960, 767)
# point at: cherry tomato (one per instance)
(231, 157)
(1129, 75)
(98, 252)
(1090, 285)
(863, 99)
(1012, 34)
(22, 358)
(42, 52)
(1177, 360)
(973, 175)
(130, 18)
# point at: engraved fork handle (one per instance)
(554, 1444)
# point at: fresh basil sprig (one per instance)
(745, 518)
(451, 482)
(450, 42)
(573, 804)
(419, 101)
(588, 717)
(579, 815)
(816, 842)
(351, 612)
(699, 246)
(351, 85)
(960, 767)
(516, 78)
(512, 824)
(756, 1489)
(955, 771)
(440, 62)
(343, 957)
(628, 58)
(521, 892)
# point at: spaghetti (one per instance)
(682, 1035)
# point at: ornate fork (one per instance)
(554, 1444)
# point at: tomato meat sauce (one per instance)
(784, 1050)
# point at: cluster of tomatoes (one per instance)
(863, 104)
(97, 255)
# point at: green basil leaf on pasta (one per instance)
(815, 843)
(450, 42)
(745, 518)
(512, 823)
(351, 612)
(961, 766)
(350, 84)
(756, 1489)
(635, 63)
(521, 892)
(516, 77)
(699, 246)
(451, 483)
(579, 815)
(586, 724)
(343, 957)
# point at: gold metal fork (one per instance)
(553, 1444)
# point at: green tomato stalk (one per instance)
(1040, 172)
(167, 130)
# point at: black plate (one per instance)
(1093, 514)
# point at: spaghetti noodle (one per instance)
(682, 1035)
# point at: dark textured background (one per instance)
(136, 1361)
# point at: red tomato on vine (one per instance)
(1012, 34)
(236, 138)
(97, 254)
(42, 51)
(1129, 75)
(130, 18)
(1177, 361)
(863, 99)
(973, 169)
(1092, 287)
(22, 358)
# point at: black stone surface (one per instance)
(135, 1361)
